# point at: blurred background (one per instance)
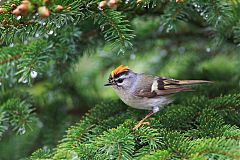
(60, 100)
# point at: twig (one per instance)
(10, 59)
(114, 26)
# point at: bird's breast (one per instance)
(142, 102)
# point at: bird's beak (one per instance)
(108, 84)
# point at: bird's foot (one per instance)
(140, 123)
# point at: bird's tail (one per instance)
(192, 82)
(171, 86)
(174, 86)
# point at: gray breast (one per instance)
(142, 102)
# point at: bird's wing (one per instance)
(151, 86)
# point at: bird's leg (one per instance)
(154, 110)
(142, 121)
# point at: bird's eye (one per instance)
(120, 80)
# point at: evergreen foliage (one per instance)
(16, 114)
(208, 136)
(56, 55)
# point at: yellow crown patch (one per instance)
(119, 69)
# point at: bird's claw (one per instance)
(139, 124)
(147, 123)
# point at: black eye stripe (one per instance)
(119, 80)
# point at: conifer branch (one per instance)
(10, 59)
(114, 26)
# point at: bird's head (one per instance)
(121, 77)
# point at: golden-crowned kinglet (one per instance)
(147, 92)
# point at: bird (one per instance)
(147, 92)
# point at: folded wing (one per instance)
(158, 86)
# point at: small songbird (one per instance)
(146, 92)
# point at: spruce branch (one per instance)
(15, 114)
(216, 147)
(122, 39)
(24, 60)
(149, 138)
(116, 143)
(10, 59)
(160, 154)
(41, 154)
(84, 132)
(96, 138)
(115, 28)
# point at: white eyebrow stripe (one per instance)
(121, 77)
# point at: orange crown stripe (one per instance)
(119, 69)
